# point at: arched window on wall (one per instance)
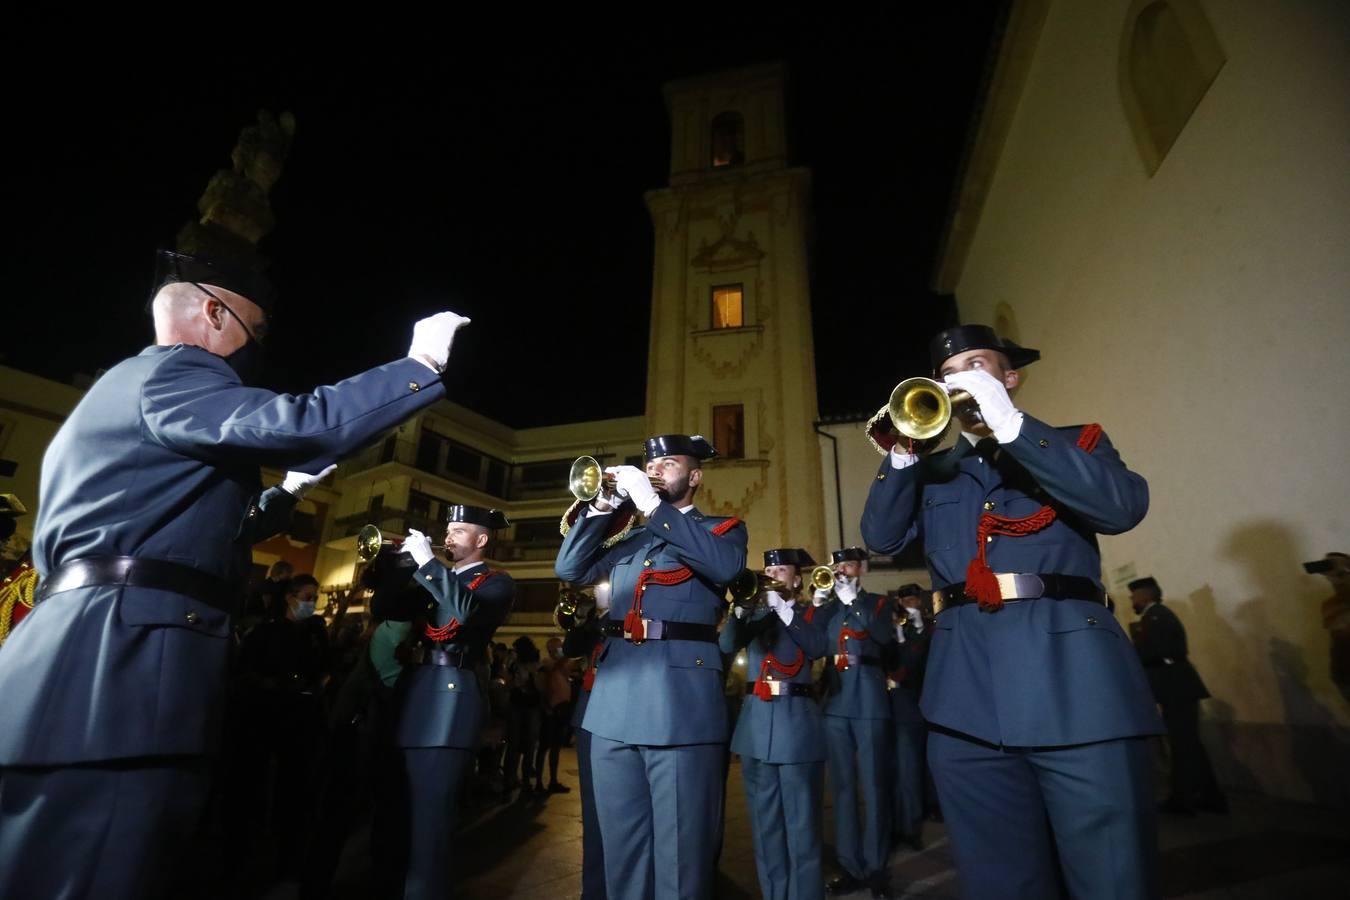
(728, 140)
(1169, 57)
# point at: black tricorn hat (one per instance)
(848, 554)
(909, 590)
(694, 445)
(788, 556)
(477, 515)
(172, 267)
(947, 344)
(1148, 581)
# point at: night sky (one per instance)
(499, 178)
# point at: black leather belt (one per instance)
(145, 573)
(782, 688)
(659, 630)
(855, 660)
(1026, 587)
(450, 659)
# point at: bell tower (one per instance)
(730, 354)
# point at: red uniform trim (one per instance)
(1089, 436)
(726, 526)
(450, 630)
(632, 623)
(762, 689)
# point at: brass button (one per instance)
(1092, 620)
(666, 525)
(414, 386)
(979, 459)
(989, 504)
(698, 662)
(192, 618)
(253, 512)
(881, 477)
(1044, 442)
(427, 577)
(643, 589)
(988, 538)
(451, 685)
(646, 562)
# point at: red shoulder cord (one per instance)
(450, 630)
(981, 585)
(762, 690)
(841, 660)
(726, 526)
(588, 680)
(632, 623)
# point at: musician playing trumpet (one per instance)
(857, 721)
(1037, 706)
(656, 713)
(778, 735)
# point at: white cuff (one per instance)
(901, 460)
(899, 634)
(651, 506)
(592, 511)
(786, 613)
(1010, 429)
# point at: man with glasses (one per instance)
(151, 500)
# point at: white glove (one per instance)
(820, 596)
(916, 620)
(630, 481)
(899, 633)
(298, 483)
(781, 605)
(602, 597)
(740, 611)
(996, 407)
(846, 591)
(418, 546)
(432, 337)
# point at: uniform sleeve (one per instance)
(269, 514)
(881, 627)
(194, 404)
(1162, 637)
(890, 520)
(809, 636)
(717, 557)
(454, 599)
(583, 558)
(1092, 482)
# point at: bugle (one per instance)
(588, 480)
(369, 543)
(921, 409)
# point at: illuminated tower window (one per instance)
(728, 303)
(729, 431)
(728, 140)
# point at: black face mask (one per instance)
(247, 360)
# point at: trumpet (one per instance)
(573, 609)
(369, 543)
(822, 578)
(748, 585)
(588, 479)
(920, 408)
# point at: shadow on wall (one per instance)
(1273, 646)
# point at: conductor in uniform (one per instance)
(656, 715)
(1037, 706)
(151, 500)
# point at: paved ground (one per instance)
(530, 849)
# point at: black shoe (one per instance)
(844, 884)
(880, 883)
(559, 788)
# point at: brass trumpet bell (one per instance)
(921, 409)
(587, 479)
(822, 578)
(574, 608)
(746, 587)
(369, 543)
